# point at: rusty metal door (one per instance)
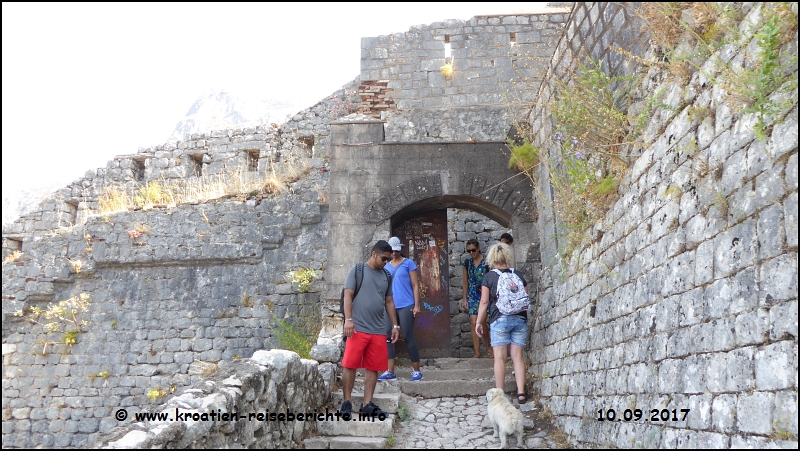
(425, 240)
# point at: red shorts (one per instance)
(366, 351)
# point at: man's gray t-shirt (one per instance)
(369, 306)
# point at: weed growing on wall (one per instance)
(155, 393)
(584, 164)
(767, 87)
(12, 257)
(298, 335)
(763, 82)
(302, 278)
(524, 157)
(64, 318)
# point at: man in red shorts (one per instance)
(365, 327)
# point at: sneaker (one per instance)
(416, 375)
(371, 409)
(347, 408)
(387, 376)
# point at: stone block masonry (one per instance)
(681, 302)
(496, 60)
(463, 226)
(252, 149)
(271, 382)
(199, 284)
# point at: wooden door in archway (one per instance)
(425, 240)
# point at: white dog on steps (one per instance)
(505, 418)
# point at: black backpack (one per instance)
(359, 281)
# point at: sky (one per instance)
(83, 83)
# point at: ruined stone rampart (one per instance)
(681, 301)
(173, 290)
(495, 61)
(239, 406)
(200, 284)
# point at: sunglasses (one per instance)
(385, 259)
(472, 250)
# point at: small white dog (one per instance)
(505, 418)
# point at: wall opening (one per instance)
(252, 160)
(70, 212)
(197, 164)
(512, 39)
(308, 142)
(448, 55)
(12, 249)
(138, 169)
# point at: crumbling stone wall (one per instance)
(169, 287)
(270, 382)
(678, 303)
(248, 149)
(315, 120)
(201, 283)
(495, 58)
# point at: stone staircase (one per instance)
(444, 378)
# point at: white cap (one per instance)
(395, 243)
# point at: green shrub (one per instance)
(303, 278)
(299, 338)
(523, 157)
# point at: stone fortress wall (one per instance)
(200, 282)
(649, 332)
(677, 303)
(496, 60)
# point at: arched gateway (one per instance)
(379, 189)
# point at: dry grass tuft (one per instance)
(12, 257)
(206, 369)
(662, 20)
(169, 193)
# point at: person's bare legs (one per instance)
(487, 337)
(370, 380)
(519, 366)
(348, 379)
(476, 341)
(500, 367)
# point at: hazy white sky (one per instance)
(85, 82)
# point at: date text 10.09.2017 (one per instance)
(637, 414)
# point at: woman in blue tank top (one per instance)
(405, 289)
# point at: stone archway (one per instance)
(375, 183)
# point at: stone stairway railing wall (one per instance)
(270, 383)
(677, 304)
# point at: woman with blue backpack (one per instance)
(504, 297)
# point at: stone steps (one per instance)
(453, 388)
(403, 374)
(356, 427)
(388, 402)
(392, 386)
(446, 377)
(449, 363)
(345, 443)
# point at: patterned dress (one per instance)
(475, 274)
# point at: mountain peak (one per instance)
(218, 109)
